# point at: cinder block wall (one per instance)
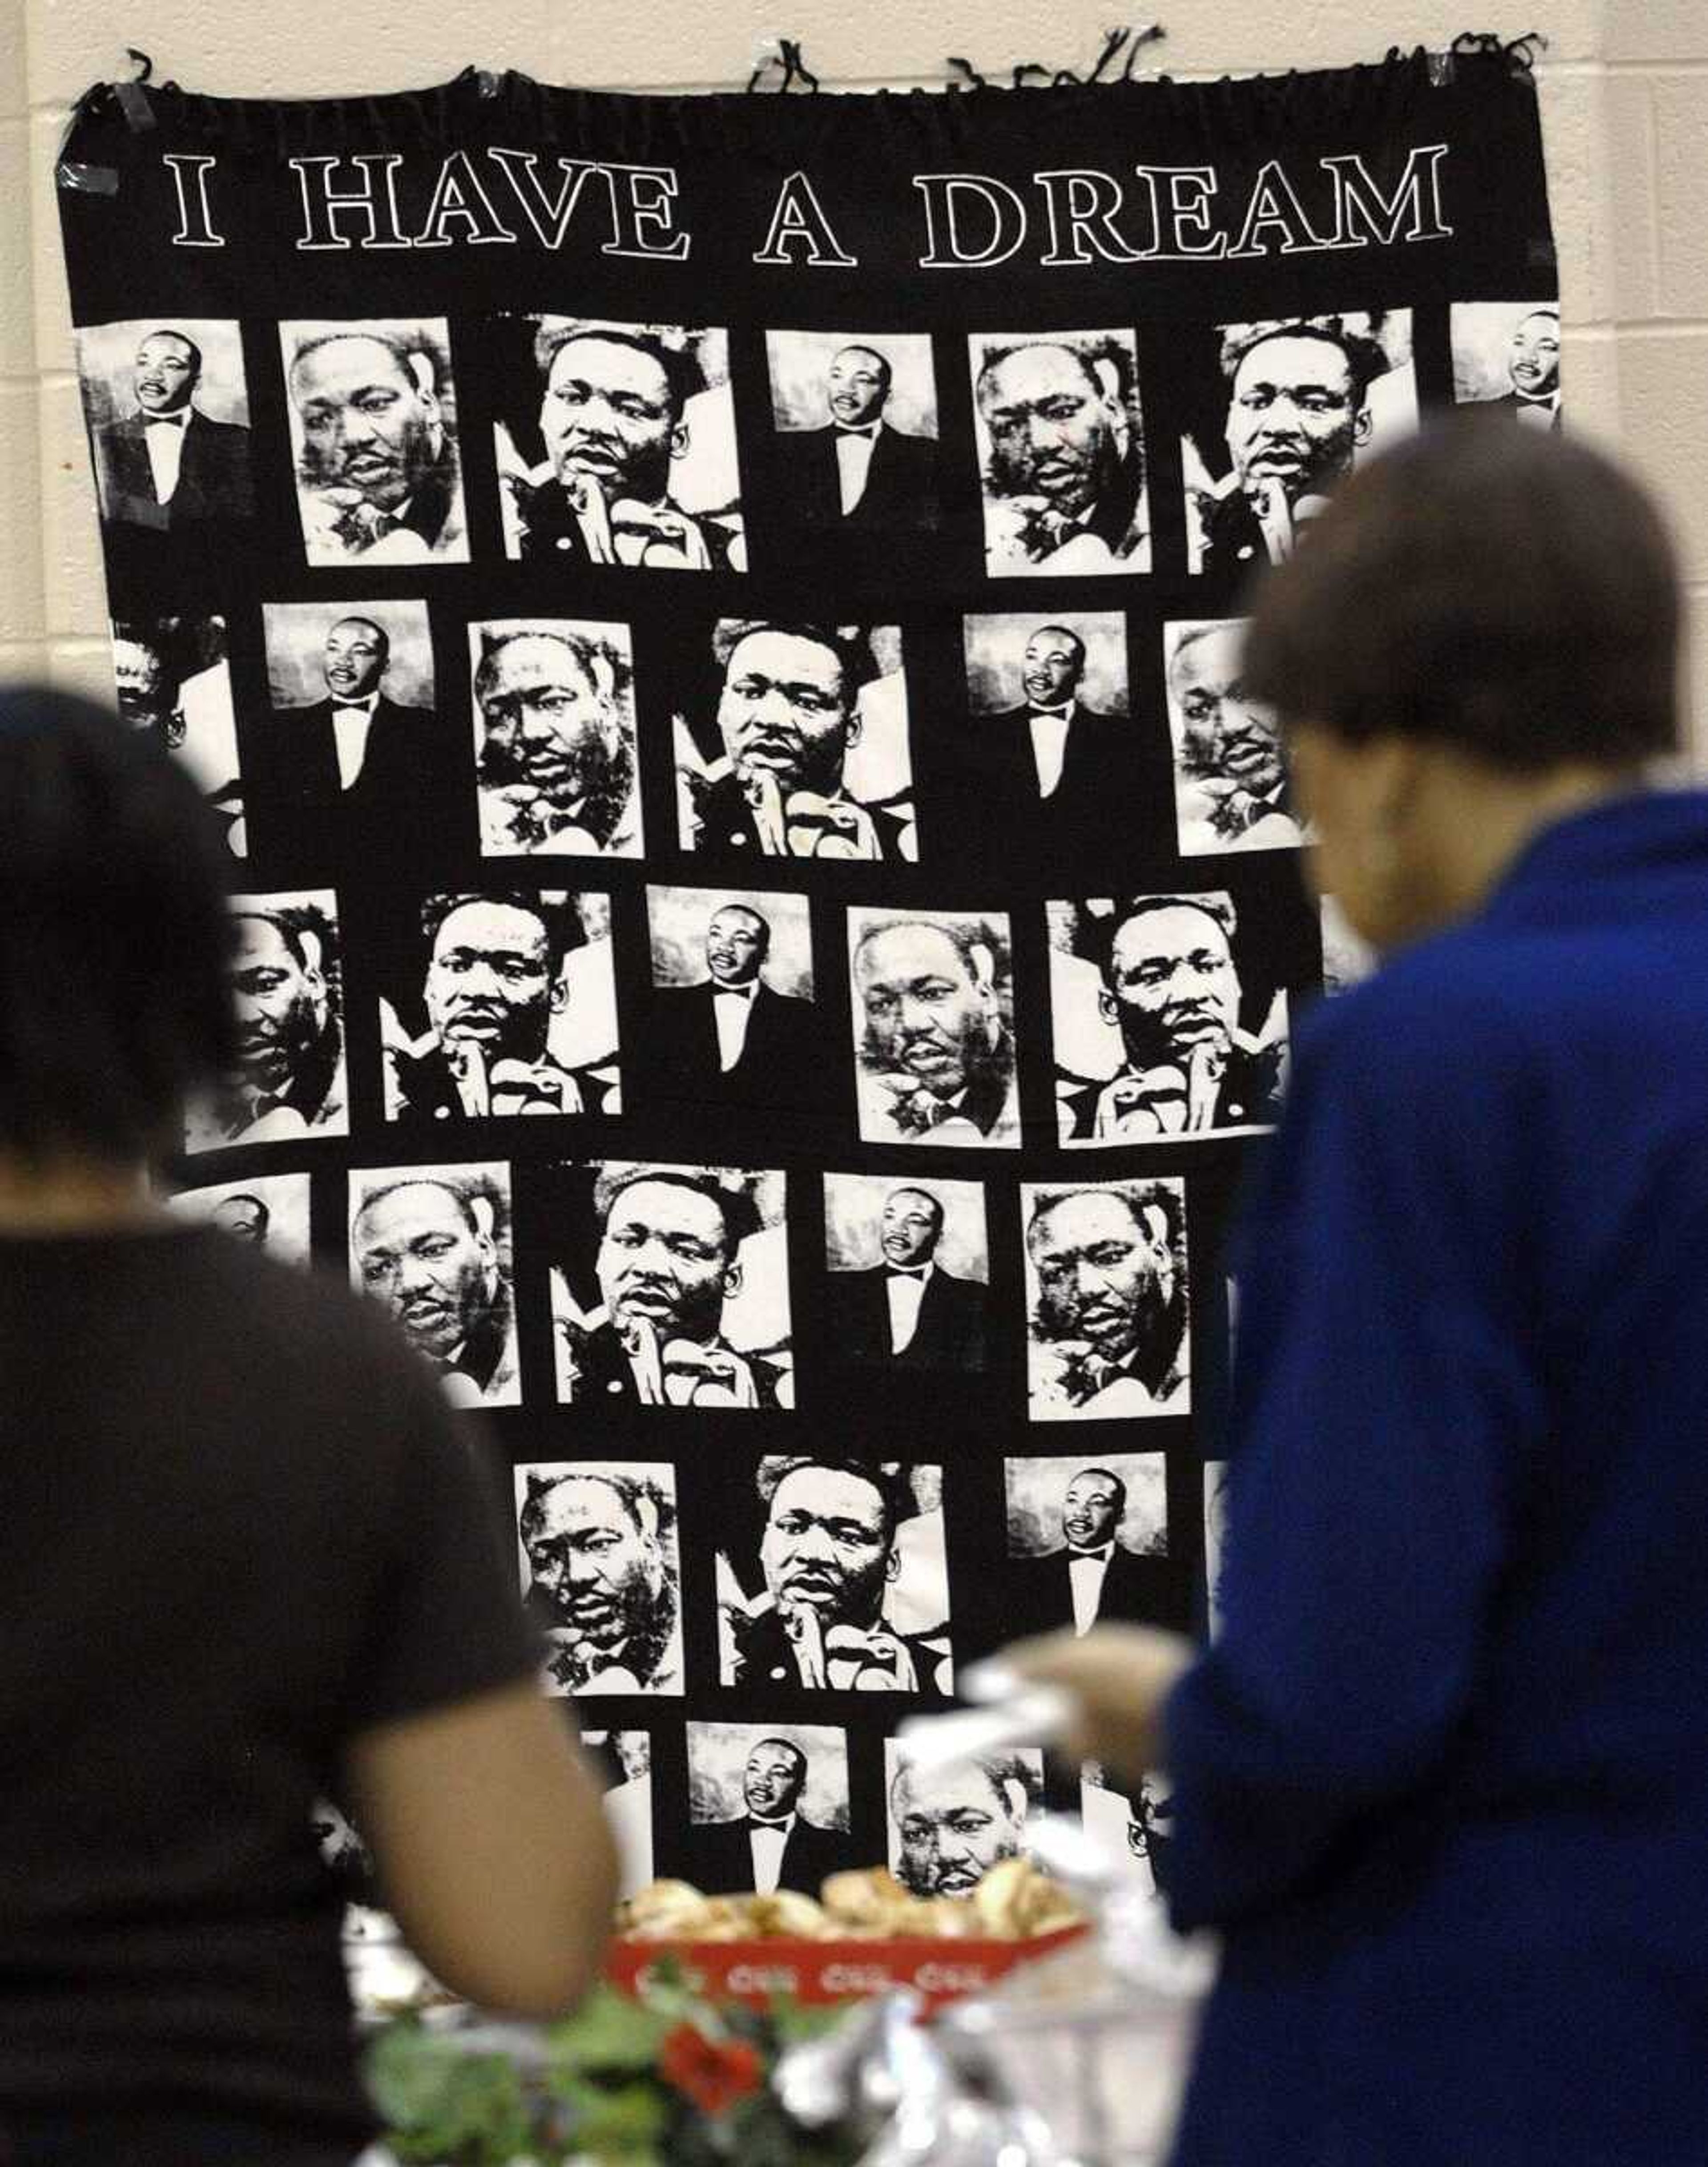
(1624, 99)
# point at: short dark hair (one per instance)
(1365, 357)
(1217, 905)
(183, 338)
(114, 941)
(894, 1491)
(1512, 593)
(557, 921)
(1139, 1197)
(788, 1746)
(850, 645)
(684, 377)
(732, 1197)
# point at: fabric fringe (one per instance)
(478, 103)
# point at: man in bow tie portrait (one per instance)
(832, 1557)
(378, 478)
(288, 1083)
(495, 982)
(670, 1260)
(1108, 1327)
(908, 1311)
(1506, 358)
(556, 766)
(936, 1052)
(431, 1245)
(734, 1038)
(603, 1576)
(167, 463)
(347, 770)
(859, 472)
(1171, 987)
(1064, 478)
(613, 420)
(1090, 1570)
(789, 717)
(1051, 767)
(771, 1844)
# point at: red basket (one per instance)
(759, 1971)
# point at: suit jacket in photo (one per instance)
(415, 782)
(425, 1088)
(950, 1334)
(727, 823)
(212, 481)
(1248, 1096)
(1038, 1593)
(767, 1656)
(901, 487)
(1094, 804)
(548, 528)
(602, 1373)
(720, 1856)
(781, 1055)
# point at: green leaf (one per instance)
(625, 2123)
(610, 2032)
(443, 2104)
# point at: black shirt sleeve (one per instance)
(445, 1619)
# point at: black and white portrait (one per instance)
(617, 444)
(621, 1763)
(1132, 1827)
(1061, 453)
(432, 1243)
(1232, 790)
(949, 1826)
(509, 1008)
(731, 1020)
(846, 1589)
(554, 738)
(1107, 1300)
(806, 753)
(1215, 1482)
(373, 410)
(910, 1267)
(172, 680)
(1289, 406)
(601, 1575)
(1157, 1031)
(857, 416)
(1051, 756)
(287, 993)
(1077, 1530)
(267, 1211)
(933, 1028)
(166, 406)
(767, 1807)
(353, 747)
(672, 1288)
(1506, 358)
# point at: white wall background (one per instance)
(1624, 102)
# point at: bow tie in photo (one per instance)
(843, 430)
(164, 420)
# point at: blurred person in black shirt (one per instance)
(175, 1693)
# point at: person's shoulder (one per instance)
(1456, 1011)
(361, 1361)
(231, 431)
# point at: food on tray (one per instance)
(1013, 1903)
